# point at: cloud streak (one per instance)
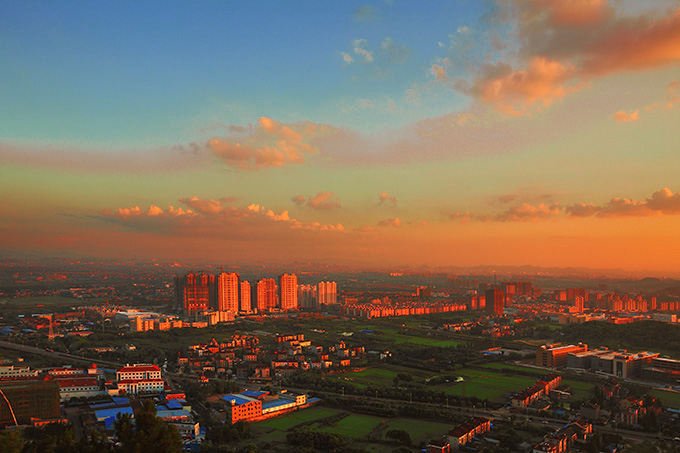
(209, 217)
(270, 144)
(322, 201)
(663, 202)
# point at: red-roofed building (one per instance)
(464, 433)
(439, 446)
(134, 386)
(79, 387)
(139, 371)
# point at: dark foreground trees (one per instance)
(146, 433)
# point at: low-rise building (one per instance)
(462, 434)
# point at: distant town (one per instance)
(259, 359)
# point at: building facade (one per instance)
(289, 291)
(228, 292)
(266, 294)
(327, 293)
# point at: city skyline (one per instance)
(378, 133)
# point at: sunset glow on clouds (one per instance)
(503, 132)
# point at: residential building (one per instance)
(289, 291)
(495, 301)
(327, 293)
(246, 306)
(266, 294)
(228, 292)
(462, 434)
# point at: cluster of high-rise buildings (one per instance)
(226, 292)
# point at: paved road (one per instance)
(43, 352)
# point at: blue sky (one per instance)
(150, 73)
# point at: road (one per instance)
(43, 352)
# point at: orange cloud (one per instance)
(621, 116)
(439, 72)
(635, 44)
(529, 213)
(384, 196)
(396, 223)
(519, 92)
(563, 44)
(153, 211)
(662, 202)
(203, 206)
(271, 144)
(323, 201)
(211, 218)
(569, 13)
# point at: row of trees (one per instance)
(145, 434)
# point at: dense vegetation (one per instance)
(652, 335)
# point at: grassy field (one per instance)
(669, 399)
(420, 431)
(354, 425)
(486, 385)
(380, 376)
(399, 338)
(579, 389)
(509, 366)
(47, 300)
(363, 429)
(392, 334)
(297, 417)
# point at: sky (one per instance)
(389, 133)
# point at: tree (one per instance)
(400, 435)
(148, 433)
(11, 441)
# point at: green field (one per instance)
(297, 417)
(354, 425)
(367, 432)
(380, 376)
(668, 398)
(48, 301)
(420, 431)
(486, 385)
(392, 334)
(399, 339)
(509, 366)
(579, 389)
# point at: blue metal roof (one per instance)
(253, 393)
(174, 405)
(173, 413)
(239, 399)
(101, 405)
(121, 400)
(313, 400)
(161, 408)
(105, 413)
(275, 403)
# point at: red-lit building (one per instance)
(29, 398)
(495, 301)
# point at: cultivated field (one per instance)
(668, 398)
(368, 432)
